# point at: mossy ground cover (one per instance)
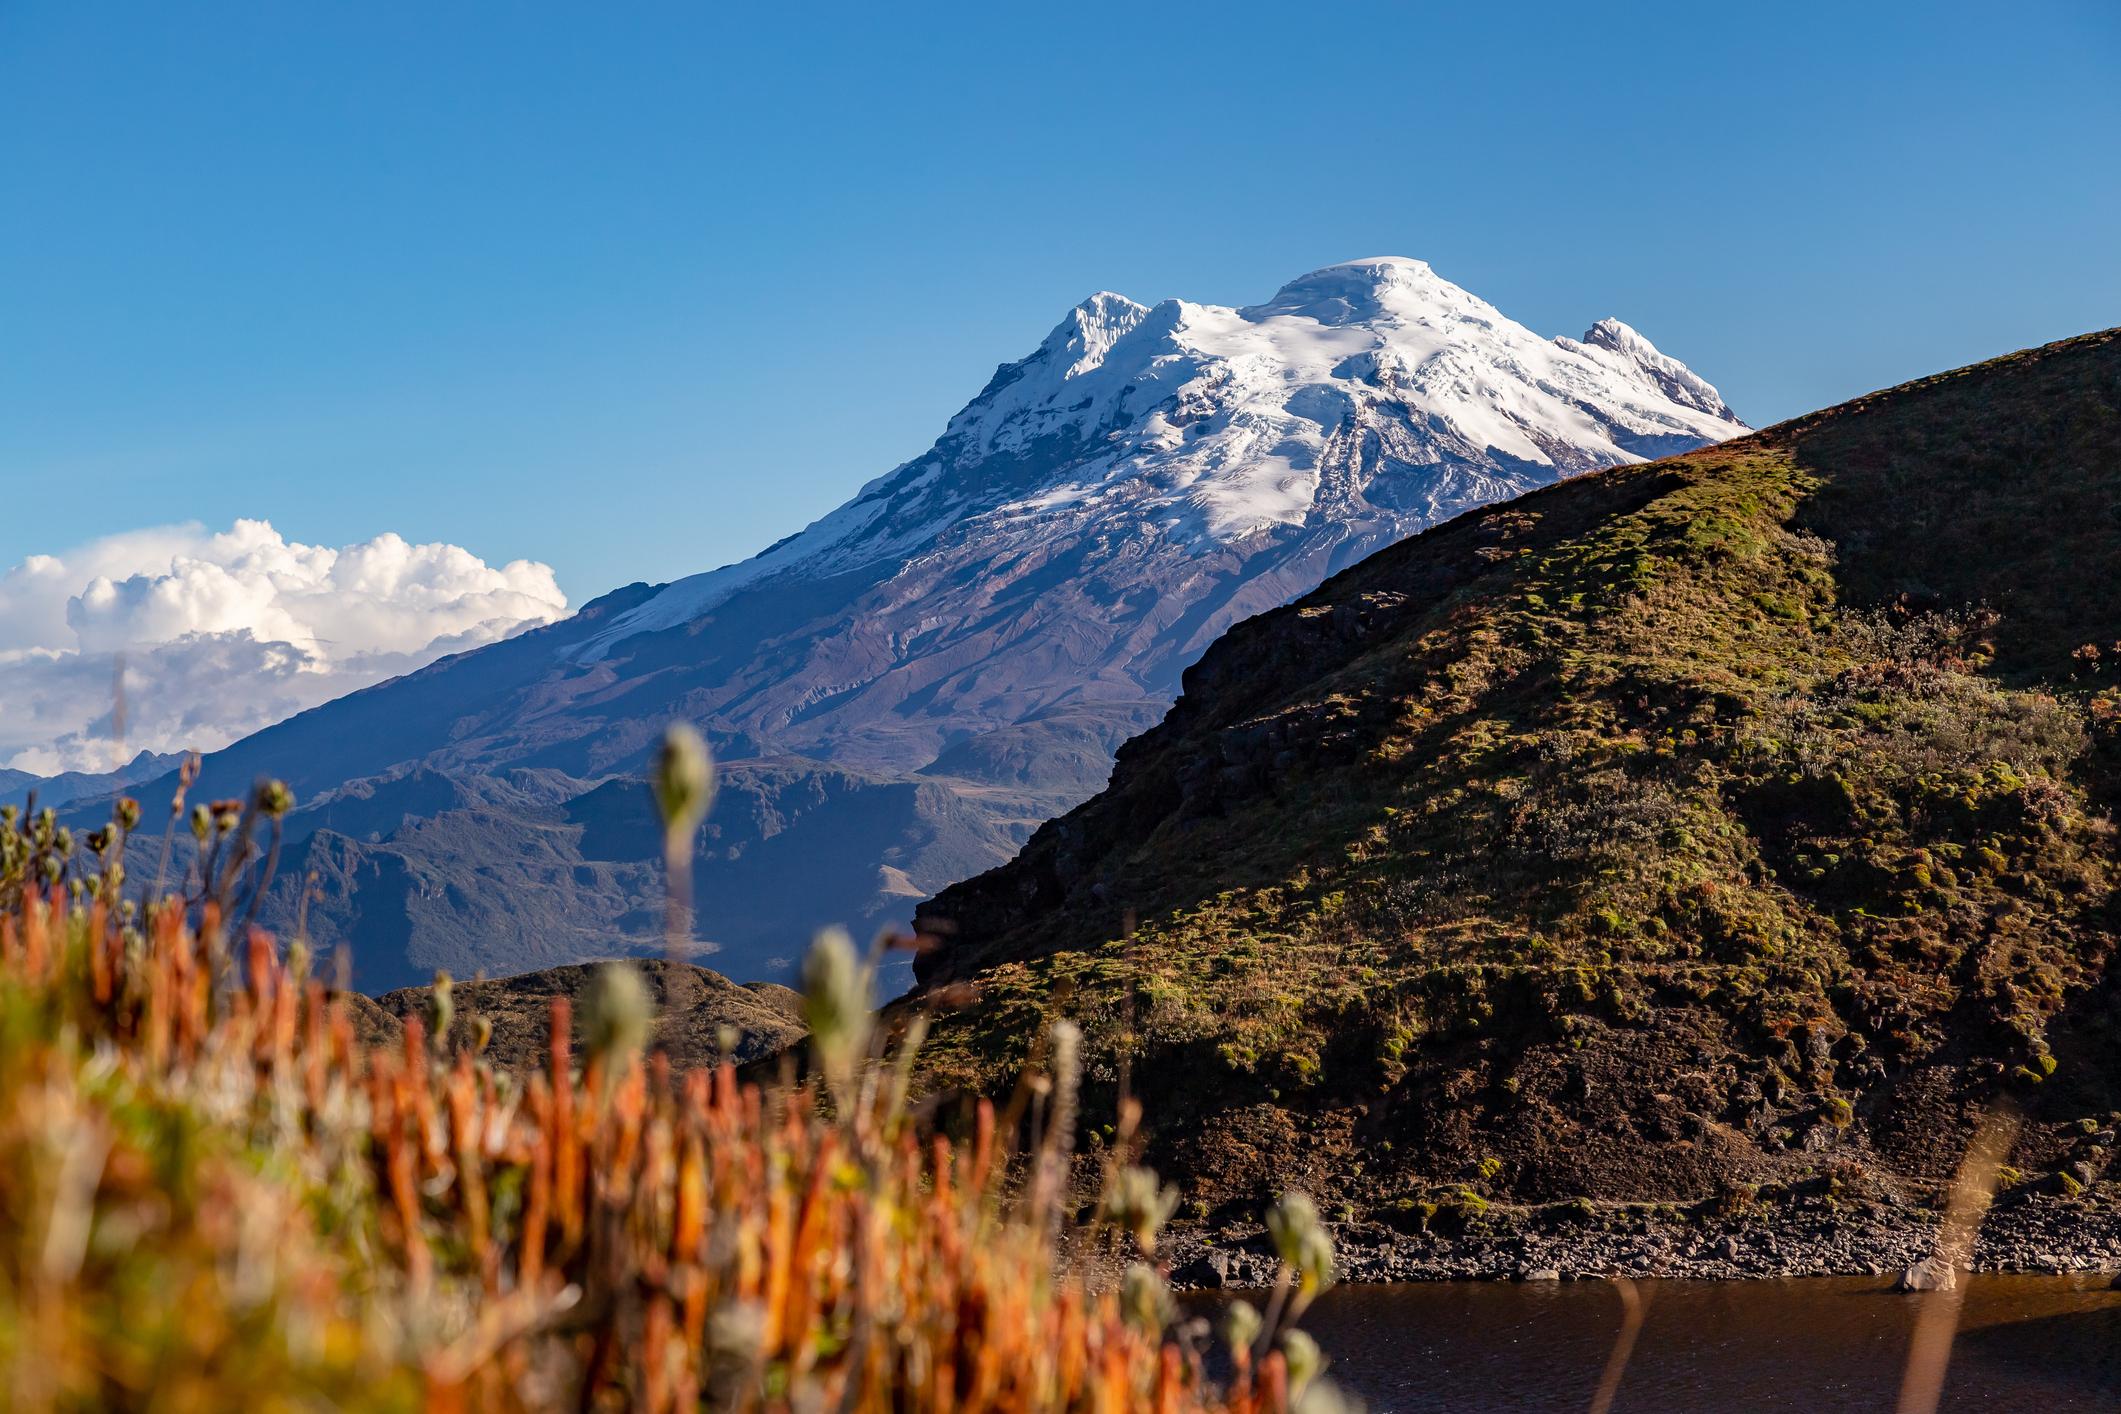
(1668, 827)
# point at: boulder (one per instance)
(1929, 1274)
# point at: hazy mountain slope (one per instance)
(922, 676)
(69, 786)
(1680, 825)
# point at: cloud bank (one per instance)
(222, 633)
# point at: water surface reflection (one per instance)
(2047, 1344)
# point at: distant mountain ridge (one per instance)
(69, 786)
(904, 689)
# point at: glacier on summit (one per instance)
(1189, 421)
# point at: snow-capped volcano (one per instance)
(1373, 393)
(904, 689)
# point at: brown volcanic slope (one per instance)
(696, 1011)
(1685, 823)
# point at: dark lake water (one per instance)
(2046, 1344)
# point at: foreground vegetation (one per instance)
(213, 1196)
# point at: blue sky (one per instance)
(635, 289)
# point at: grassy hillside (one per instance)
(1686, 824)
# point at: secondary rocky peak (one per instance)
(1678, 382)
(1080, 341)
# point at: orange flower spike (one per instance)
(1170, 1381)
(655, 1356)
(419, 1089)
(1241, 1381)
(156, 1027)
(725, 1090)
(287, 1008)
(537, 1208)
(1118, 1390)
(415, 1053)
(10, 944)
(382, 1095)
(400, 1163)
(811, 1225)
(982, 1147)
(694, 1284)
(342, 1036)
(689, 1230)
(1274, 1383)
(752, 1249)
(1067, 1366)
(471, 1169)
(99, 961)
(777, 1261)
(942, 1193)
(442, 1394)
(627, 1109)
(316, 1045)
(33, 938)
(566, 1159)
(260, 961)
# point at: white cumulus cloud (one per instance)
(221, 633)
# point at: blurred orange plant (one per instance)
(212, 1196)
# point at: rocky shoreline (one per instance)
(2038, 1234)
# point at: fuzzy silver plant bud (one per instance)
(127, 814)
(1324, 1397)
(836, 1001)
(1288, 1221)
(1145, 1299)
(683, 779)
(202, 823)
(275, 799)
(441, 1008)
(1301, 1241)
(1306, 1361)
(1241, 1325)
(736, 1333)
(1064, 1058)
(619, 1011)
(1136, 1203)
